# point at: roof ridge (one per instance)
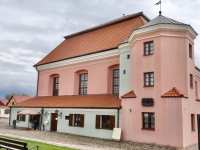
(111, 22)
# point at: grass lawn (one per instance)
(42, 146)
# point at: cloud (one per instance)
(31, 29)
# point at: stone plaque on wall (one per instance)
(147, 102)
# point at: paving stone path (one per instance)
(77, 142)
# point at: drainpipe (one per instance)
(41, 117)
(10, 115)
(118, 116)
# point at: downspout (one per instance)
(118, 116)
(41, 117)
(10, 115)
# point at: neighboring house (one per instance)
(130, 73)
(4, 110)
(17, 99)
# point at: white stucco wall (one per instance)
(63, 125)
(124, 65)
(13, 116)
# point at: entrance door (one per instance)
(53, 122)
(198, 127)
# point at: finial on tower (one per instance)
(159, 3)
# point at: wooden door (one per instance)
(53, 122)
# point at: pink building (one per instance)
(130, 73)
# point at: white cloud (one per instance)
(31, 29)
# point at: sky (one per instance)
(30, 29)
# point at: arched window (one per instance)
(81, 82)
(113, 79)
(54, 84)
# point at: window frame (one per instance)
(192, 122)
(196, 89)
(72, 120)
(149, 121)
(76, 120)
(190, 51)
(115, 85)
(56, 86)
(83, 81)
(149, 79)
(191, 81)
(99, 122)
(149, 47)
(21, 117)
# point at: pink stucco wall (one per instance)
(172, 66)
(99, 73)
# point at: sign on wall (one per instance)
(116, 134)
(147, 102)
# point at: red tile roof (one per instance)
(130, 94)
(74, 101)
(20, 98)
(174, 92)
(3, 102)
(100, 38)
(4, 107)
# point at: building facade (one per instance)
(130, 73)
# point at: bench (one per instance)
(10, 144)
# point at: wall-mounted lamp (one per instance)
(45, 113)
(57, 113)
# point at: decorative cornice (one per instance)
(161, 27)
(197, 73)
(81, 59)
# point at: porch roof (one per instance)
(73, 101)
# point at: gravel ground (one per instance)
(78, 142)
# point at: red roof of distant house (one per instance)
(74, 101)
(130, 94)
(4, 107)
(174, 92)
(99, 38)
(20, 98)
(3, 102)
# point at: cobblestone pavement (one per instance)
(77, 142)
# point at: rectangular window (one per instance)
(105, 122)
(148, 48)
(83, 84)
(76, 120)
(116, 81)
(149, 79)
(56, 86)
(191, 81)
(196, 89)
(21, 117)
(148, 121)
(190, 50)
(192, 122)
(128, 56)
(66, 117)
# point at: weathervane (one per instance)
(159, 3)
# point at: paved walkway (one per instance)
(75, 141)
